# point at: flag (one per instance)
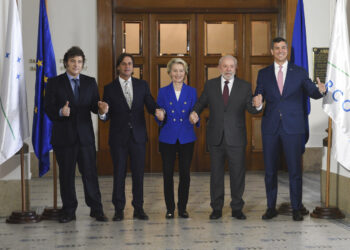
(337, 101)
(14, 125)
(299, 57)
(45, 68)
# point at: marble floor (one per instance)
(197, 232)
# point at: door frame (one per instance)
(106, 14)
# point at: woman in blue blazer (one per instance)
(176, 135)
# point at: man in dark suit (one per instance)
(123, 103)
(228, 98)
(69, 99)
(282, 86)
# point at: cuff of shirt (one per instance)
(259, 108)
(102, 117)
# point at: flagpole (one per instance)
(328, 171)
(24, 205)
(54, 212)
(328, 212)
(24, 216)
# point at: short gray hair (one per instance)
(228, 56)
(177, 61)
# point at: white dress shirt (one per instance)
(230, 84)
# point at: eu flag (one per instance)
(299, 57)
(45, 68)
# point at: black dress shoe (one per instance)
(66, 218)
(269, 214)
(238, 214)
(297, 216)
(184, 214)
(99, 216)
(216, 214)
(140, 214)
(118, 216)
(169, 215)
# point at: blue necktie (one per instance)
(76, 89)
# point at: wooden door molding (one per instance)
(105, 75)
(196, 6)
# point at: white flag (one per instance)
(14, 128)
(337, 101)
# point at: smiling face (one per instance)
(126, 68)
(74, 65)
(227, 68)
(177, 73)
(280, 52)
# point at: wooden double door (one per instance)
(200, 39)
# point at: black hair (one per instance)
(73, 52)
(122, 56)
(278, 40)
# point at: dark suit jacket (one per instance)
(67, 130)
(122, 117)
(287, 108)
(228, 120)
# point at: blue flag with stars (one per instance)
(299, 57)
(45, 69)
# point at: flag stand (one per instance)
(24, 216)
(328, 212)
(53, 213)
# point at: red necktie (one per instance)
(225, 93)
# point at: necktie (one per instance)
(280, 80)
(127, 94)
(76, 89)
(225, 93)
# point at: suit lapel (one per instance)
(82, 88)
(182, 99)
(68, 88)
(234, 91)
(218, 91)
(287, 82)
(120, 91)
(274, 85)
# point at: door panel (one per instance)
(180, 42)
(260, 30)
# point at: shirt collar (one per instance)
(284, 65)
(72, 77)
(230, 81)
(121, 80)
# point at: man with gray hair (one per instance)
(228, 98)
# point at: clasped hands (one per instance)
(194, 118)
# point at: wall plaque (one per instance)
(320, 63)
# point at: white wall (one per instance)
(72, 22)
(318, 22)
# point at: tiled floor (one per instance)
(197, 232)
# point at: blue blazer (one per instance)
(288, 107)
(176, 125)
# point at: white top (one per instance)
(177, 93)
